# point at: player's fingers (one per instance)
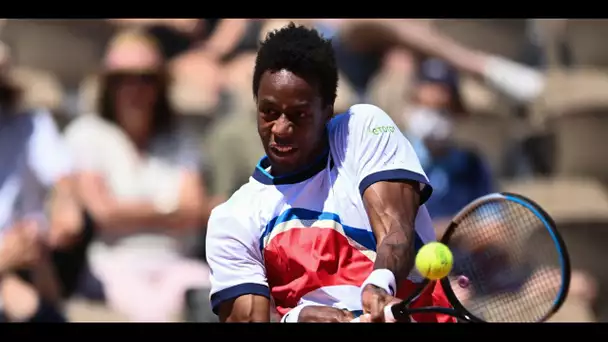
(365, 318)
(388, 314)
(377, 307)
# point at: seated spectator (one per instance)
(364, 42)
(139, 181)
(219, 39)
(204, 49)
(174, 36)
(458, 175)
(35, 164)
(358, 64)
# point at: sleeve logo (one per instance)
(381, 129)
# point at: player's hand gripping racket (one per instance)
(510, 265)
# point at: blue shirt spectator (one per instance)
(459, 175)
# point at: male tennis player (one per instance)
(328, 226)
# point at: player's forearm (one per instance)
(395, 251)
(392, 208)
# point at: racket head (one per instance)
(500, 230)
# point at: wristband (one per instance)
(382, 278)
(293, 315)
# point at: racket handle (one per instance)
(388, 315)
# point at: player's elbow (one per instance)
(245, 309)
(244, 317)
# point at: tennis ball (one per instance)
(434, 260)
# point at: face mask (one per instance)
(425, 123)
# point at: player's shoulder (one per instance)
(240, 204)
(365, 110)
(359, 122)
(239, 212)
(361, 115)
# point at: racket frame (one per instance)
(402, 312)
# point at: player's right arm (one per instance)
(239, 289)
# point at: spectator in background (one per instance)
(519, 83)
(217, 38)
(139, 180)
(358, 64)
(516, 81)
(204, 48)
(34, 163)
(458, 175)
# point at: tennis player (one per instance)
(329, 223)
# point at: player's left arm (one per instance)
(393, 186)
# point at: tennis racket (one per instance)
(510, 265)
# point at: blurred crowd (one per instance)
(119, 136)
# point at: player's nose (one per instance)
(282, 127)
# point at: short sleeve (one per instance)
(234, 257)
(375, 150)
(49, 156)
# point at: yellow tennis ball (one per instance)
(434, 260)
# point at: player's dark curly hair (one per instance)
(303, 52)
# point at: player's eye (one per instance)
(302, 116)
(270, 113)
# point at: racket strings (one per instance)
(506, 267)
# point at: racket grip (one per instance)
(388, 315)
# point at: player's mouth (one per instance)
(282, 150)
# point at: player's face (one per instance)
(291, 121)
